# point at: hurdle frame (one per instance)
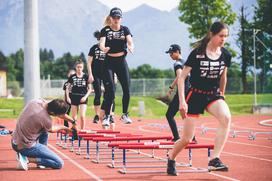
(197, 170)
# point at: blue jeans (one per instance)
(42, 153)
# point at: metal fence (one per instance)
(138, 87)
(146, 87)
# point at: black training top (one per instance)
(97, 54)
(116, 40)
(79, 84)
(206, 73)
(179, 64)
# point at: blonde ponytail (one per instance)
(107, 21)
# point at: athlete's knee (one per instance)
(225, 120)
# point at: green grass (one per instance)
(238, 103)
(242, 103)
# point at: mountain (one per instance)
(153, 32)
(67, 25)
(64, 25)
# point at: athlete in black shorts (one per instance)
(115, 40)
(81, 89)
(175, 53)
(207, 64)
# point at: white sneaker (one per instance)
(41, 167)
(22, 162)
(106, 121)
(126, 119)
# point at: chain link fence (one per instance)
(150, 87)
(140, 87)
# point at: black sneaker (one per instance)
(194, 140)
(96, 119)
(171, 168)
(112, 119)
(217, 165)
(175, 139)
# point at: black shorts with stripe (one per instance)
(199, 100)
(75, 100)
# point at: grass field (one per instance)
(238, 103)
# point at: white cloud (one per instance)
(127, 5)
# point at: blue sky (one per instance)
(127, 5)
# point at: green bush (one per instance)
(14, 87)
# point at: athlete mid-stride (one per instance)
(114, 41)
(207, 64)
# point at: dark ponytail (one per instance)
(215, 28)
(96, 34)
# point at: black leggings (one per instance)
(97, 74)
(119, 66)
(170, 114)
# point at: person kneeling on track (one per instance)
(30, 137)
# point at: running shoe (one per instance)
(126, 119)
(194, 140)
(106, 121)
(96, 119)
(217, 165)
(112, 119)
(171, 168)
(22, 161)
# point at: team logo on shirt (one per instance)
(110, 35)
(99, 55)
(204, 63)
(200, 56)
(203, 73)
(116, 35)
(79, 82)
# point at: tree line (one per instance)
(200, 14)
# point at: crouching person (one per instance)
(30, 137)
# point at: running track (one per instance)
(248, 159)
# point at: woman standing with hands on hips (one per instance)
(114, 41)
(207, 64)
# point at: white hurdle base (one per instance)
(197, 170)
(253, 136)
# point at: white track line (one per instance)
(246, 156)
(267, 122)
(76, 164)
(234, 125)
(241, 143)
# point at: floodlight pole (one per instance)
(31, 51)
(255, 31)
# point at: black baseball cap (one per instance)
(173, 48)
(116, 12)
